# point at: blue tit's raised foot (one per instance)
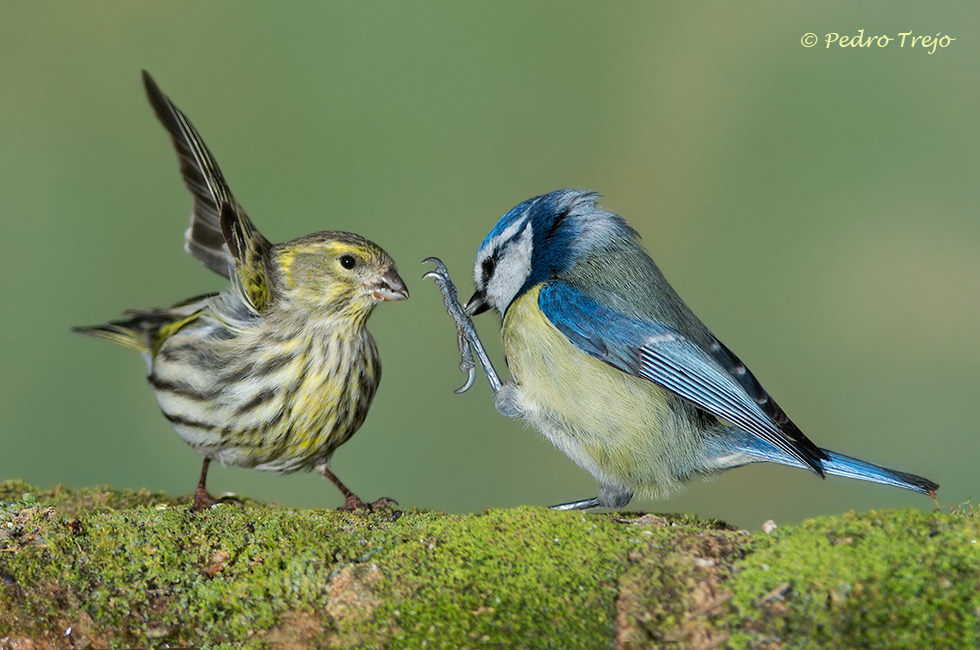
(469, 341)
(506, 396)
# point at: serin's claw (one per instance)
(469, 341)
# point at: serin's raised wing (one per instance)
(664, 356)
(220, 233)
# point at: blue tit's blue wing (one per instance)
(744, 376)
(666, 357)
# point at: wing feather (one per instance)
(220, 233)
(664, 356)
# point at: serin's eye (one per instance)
(348, 261)
(488, 265)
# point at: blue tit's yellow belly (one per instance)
(621, 428)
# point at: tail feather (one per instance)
(148, 327)
(126, 333)
(734, 447)
(841, 465)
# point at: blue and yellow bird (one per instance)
(611, 365)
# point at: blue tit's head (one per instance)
(537, 241)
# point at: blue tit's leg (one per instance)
(584, 504)
(608, 497)
(469, 340)
(507, 402)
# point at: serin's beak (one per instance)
(387, 286)
(477, 304)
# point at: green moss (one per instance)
(902, 579)
(161, 573)
(138, 569)
(14, 490)
(527, 573)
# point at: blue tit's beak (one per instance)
(477, 304)
(387, 286)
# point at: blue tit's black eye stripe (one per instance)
(348, 261)
(488, 266)
(556, 224)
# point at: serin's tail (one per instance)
(735, 447)
(148, 327)
(132, 333)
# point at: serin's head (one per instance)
(537, 241)
(337, 273)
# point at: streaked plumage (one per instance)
(611, 365)
(279, 370)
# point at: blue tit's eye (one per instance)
(488, 265)
(348, 261)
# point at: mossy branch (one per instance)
(103, 568)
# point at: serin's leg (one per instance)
(469, 340)
(202, 499)
(351, 500)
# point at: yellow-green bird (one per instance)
(279, 370)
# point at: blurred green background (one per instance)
(817, 208)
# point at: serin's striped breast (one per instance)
(268, 399)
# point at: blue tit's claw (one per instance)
(584, 504)
(469, 341)
(470, 378)
(467, 364)
(440, 275)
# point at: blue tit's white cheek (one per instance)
(478, 275)
(512, 269)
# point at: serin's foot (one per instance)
(383, 502)
(354, 503)
(202, 499)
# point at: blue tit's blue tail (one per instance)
(841, 465)
(732, 447)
